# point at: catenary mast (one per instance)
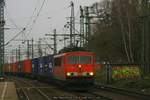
(2, 22)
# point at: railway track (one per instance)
(24, 85)
(90, 96)
(139, 96)
(22, 94)
(43, 91)
(27, 91)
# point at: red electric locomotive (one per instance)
(75, 67)
(71, 67)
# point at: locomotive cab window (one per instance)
(85, 59)
(79, 59)
(57, 61)
(73, 59)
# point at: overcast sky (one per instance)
(53, 15)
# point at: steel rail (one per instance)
(79, 95)
(25, 94)
(101, 96)
(20, 91)
(37, 89)
(123, 91)
(22, 94)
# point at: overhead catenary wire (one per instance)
(15, 25)
(15, 36)
(34, 21)
(31, 18)
(36, 6)
(13, 22)
(10, 19)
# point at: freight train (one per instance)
(75, 66)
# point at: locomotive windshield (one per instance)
(79, 59)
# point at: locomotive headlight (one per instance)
(91, 73)
(1, 78)
(79, 66)
(68, 74)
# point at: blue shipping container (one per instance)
(20, 66)
(45, 65)
(35, 65)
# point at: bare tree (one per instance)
(116, 33)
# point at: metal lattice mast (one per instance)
(2, 22)
(87, 24)
(81, 27)
(72, 25)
